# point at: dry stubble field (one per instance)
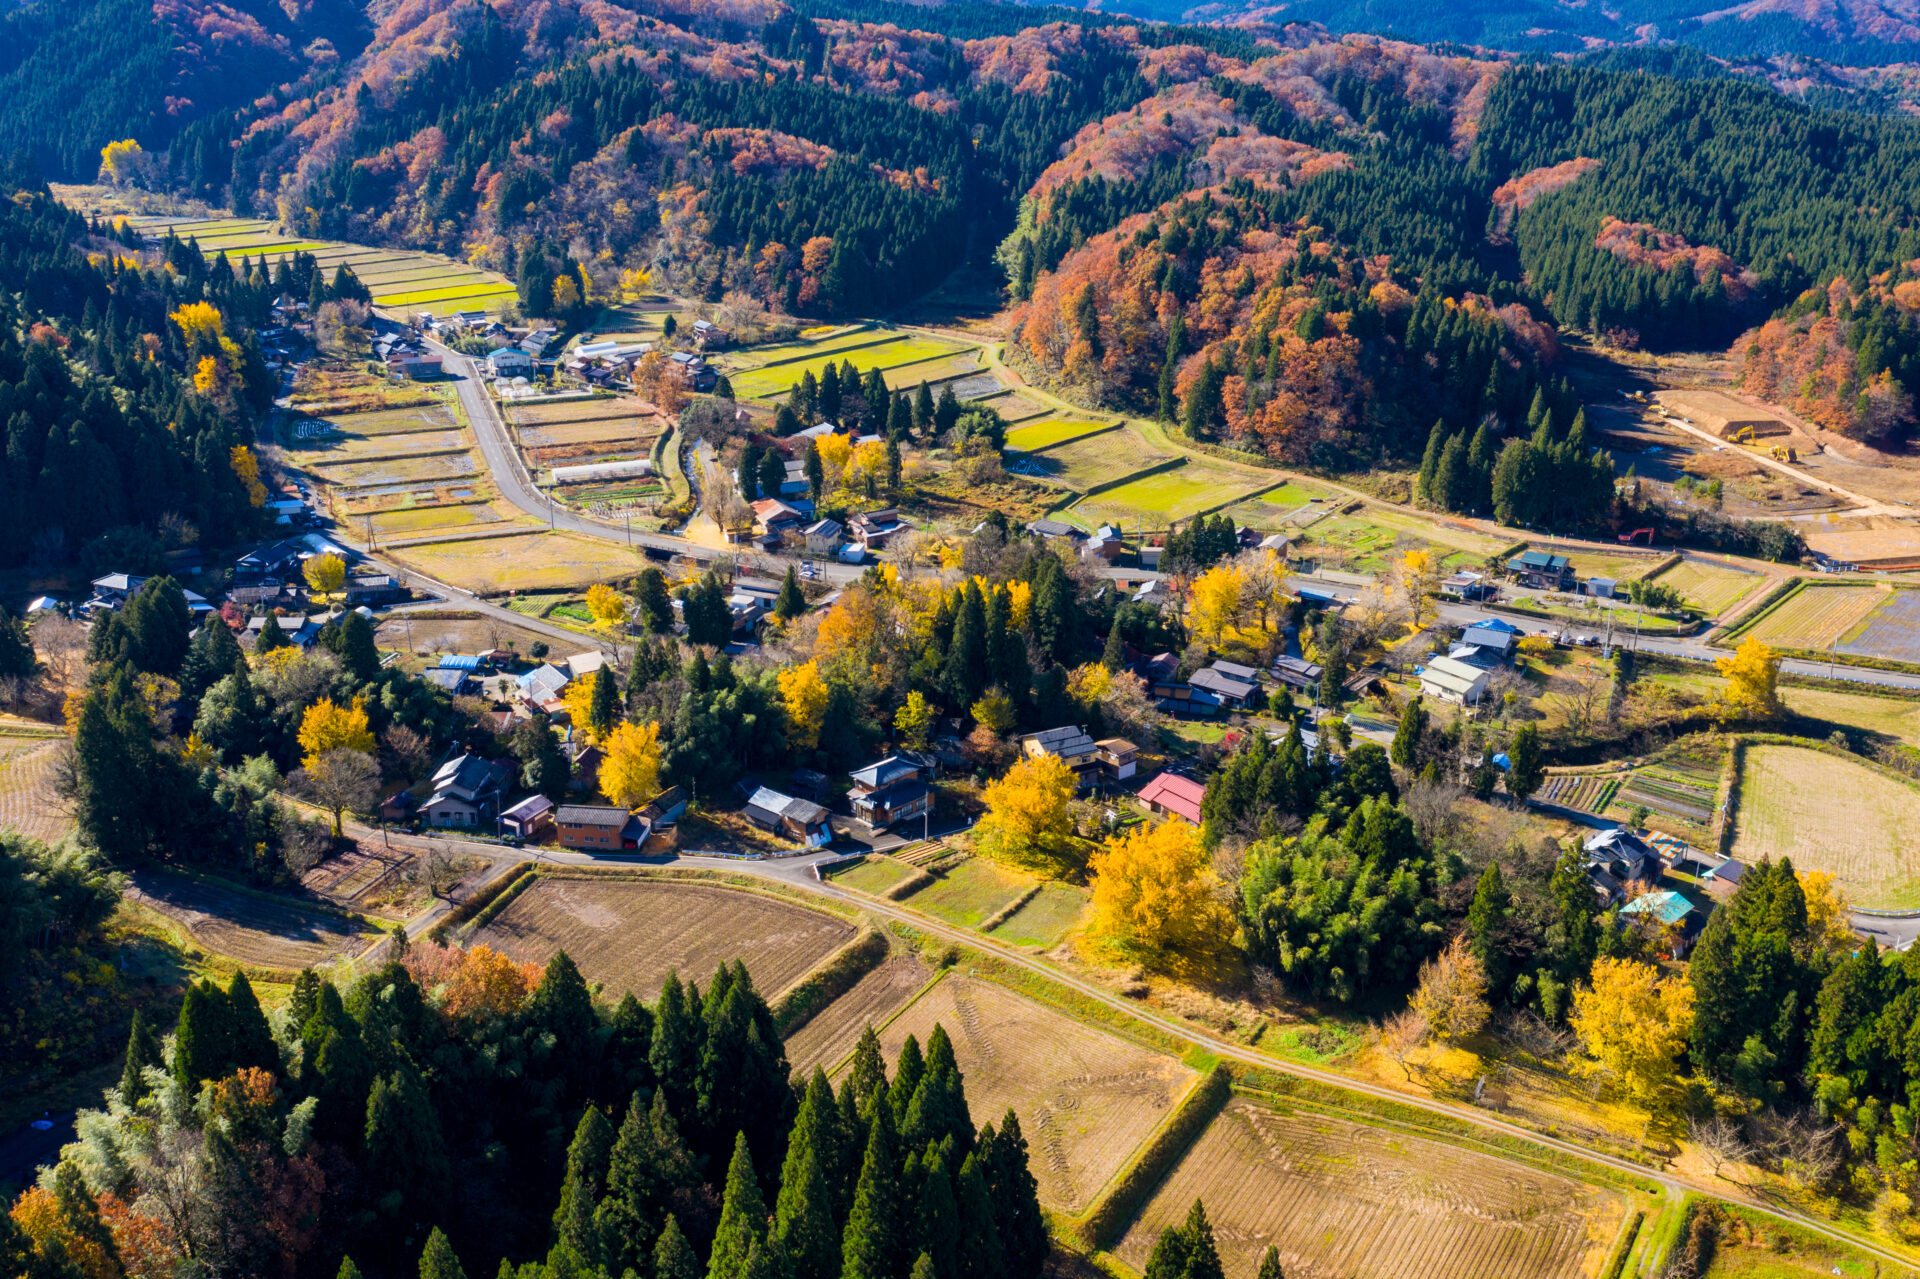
(1830, 814)
(27, 801)
(1085, 1098)
(629, 934)
(1816, 616)
(1340, 1198)
(242, 927)
(831, 1035)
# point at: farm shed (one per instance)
(800, 820)
(528, 816)
(1171, 794)
(1446, 679)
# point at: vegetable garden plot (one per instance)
(1586, 793)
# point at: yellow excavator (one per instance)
(1742, 436)
(1782, 453)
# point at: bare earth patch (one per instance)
(830, 1036)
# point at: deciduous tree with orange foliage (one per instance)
(328, 726)
(1029, 822)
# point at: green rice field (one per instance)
(969, 892)
(1045, 920)
(1175, 494)
(1034, 436)
(1101, 459)
(775, 380)
(396, 279)
(932, 372)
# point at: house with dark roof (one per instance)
(528, 817)
(1296, 672)
(466, 792)
(1622, 858)
(1498, 641)
(1542, 570)
(800, 820)
(1118, 757)
(1174, 795)
(600, 828)
(888, 791)
(1055, 528)
(1232, 691)
(875, 529)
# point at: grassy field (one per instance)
(1751, 1246)
(1712, 588)
(1621, 568)
(969, 892)
(872, 875)
(1816, 616)
(1085, 1098)
(1099, 460)
(396, 279)
(1277, 508)
(777, 379)
(932, 372)
(1340, 1198)
(1830, 814)
(1893, 714)
(27, 800)
(536, 562)
(1033, 436)
(398, 470)
(688, 928)
(831, 1035)
(1178, 494)
(1045, 920)
(246, 928)
(1364, 544)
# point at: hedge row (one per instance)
(1110, 1213)
(832, 979)
(514, 883)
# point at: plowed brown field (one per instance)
(832, 1034)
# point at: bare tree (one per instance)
(407, 752)
(1402, 1034)
(338, 781)
(437, 868)
(1434, 808)
(1719, 1141)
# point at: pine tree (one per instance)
(673, 1256)
(1486, 920)
(773, 473)
(1452, 485)
(199, 1041)
(347, 1269)
(743, 1217)
(871, 1243)
(589, 1160)
(405, 1154)
(981, 1254)
(1407, 736)
(899, 419)
(250, 1037)
(804, 1223)
(790, 603)
(1115, 655)
(143, 1051)
(1423, 489)
(437, 1260)
(1203, 1254)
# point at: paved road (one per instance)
(799, 872)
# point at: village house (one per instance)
(1447, 679)
(466, 792)
(1297, 672)
(875, 529)
(1072, 746)
(824, 537)
(509, 361)
(773, 517)
(889, 791)
(1542, 570)
(599, 828)
(1118, 757)
(1235, 686)
(528, 817)
(800, 820)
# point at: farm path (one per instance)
(800, 872)
(517, 486)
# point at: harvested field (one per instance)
(1816, 616)
(27, 801)
(1034, 436)
(1045, 920)
(1177, 494)
(1339, 1198)
(1361, 544)
(1085, 1098)
(1621, 568)
(423, 417)
(831, 1035)
(333, 450)
(537, 562)
(430, 636)
(403, 470)
(1099, 460)
(240, 926)
(1831, 814)
(630, 935)
(774, 380)
(422, 519)
(640, 432)
(591, 409)
(969, 892)
(1015, 407)
(1712, 588)
(932, 372)
(1891, 631)
(976, 385)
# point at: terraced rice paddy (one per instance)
(871, 875)
(1100, 459)
(688, 928)
(271, 933)
(426, 417)
(932, 372)
(1279, 508)
(1816, 616)
(1585, 792)
(414, 521)
(1712, 588)
(830, 1037)
(1047, 919)
(399, 280)
(1015, 407)
(969, 892)
(28, 803)
(1031, 437)
(1085, 1098)
(537, 561)
(1891, 631)
(1341, 1198)
(775, 380)
(1832, 814)
(1152, 501)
